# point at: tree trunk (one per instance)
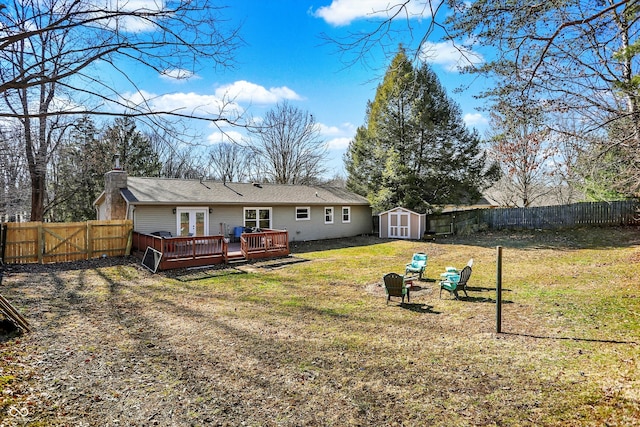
(38, 188)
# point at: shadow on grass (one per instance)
(275, 263)
(481, 300)
(577, 238)
(207, 274)
(543, 337)
(329, 244)
(483, 289)
(419, 308)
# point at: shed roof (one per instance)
(167, 191)
(400, 208)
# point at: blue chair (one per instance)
(417, 265)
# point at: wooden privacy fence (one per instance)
(41, 242)
(564, 216)
(586, 214)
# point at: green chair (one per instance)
(394, 287)
(453, 282)
(417, 265)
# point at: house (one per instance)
(200, 208)
(401, 223)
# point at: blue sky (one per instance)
(285, 58)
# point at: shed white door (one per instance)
(192, 221)
(399, 225)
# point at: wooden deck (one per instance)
(181, 252)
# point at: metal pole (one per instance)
(499, 290)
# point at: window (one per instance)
(346, 214)
(328, 215)
(257, 217)
(303, 213)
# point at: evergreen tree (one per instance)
(136, 152)
(415, 150)
(77, 175)
(77, 172)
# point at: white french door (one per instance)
(399, 225)
(192, 221)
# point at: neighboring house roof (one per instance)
(166, 191)
(483, 203)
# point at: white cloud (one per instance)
(338, 143)
(243, 90)
(147, 12)
(475, 119)
(343, 129)
(178, 75)
(450, 56)
(224, 136)
(209, 106)
(339, 136)
(343, 12)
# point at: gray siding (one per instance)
(223, 219)
(315, 228)
(147, 219)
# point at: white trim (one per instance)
(332, 214)
(257, 209)
(308, 209)
(192, 211)
(348, 208)
(399, 231)
(399, 208)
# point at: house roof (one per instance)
(484, 202)
(167, 191)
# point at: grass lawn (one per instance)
(313, 343)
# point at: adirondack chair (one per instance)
(417, 265)
(454, 282)
(394, 287)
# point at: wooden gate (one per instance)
(38, 242)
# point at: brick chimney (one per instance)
(114, 181)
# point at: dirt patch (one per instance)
(418, 290)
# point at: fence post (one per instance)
(3, 241)
(499, 289)
(89, 240)
(41, 244)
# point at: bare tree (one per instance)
(521, 146)
(229, 162)
(577, 60)
(14, 176)
(289, 146)
(172, 38)
(413, 21)
(51, 51)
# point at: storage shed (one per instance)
(401, 223)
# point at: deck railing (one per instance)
(180, 252)
(264, 244)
